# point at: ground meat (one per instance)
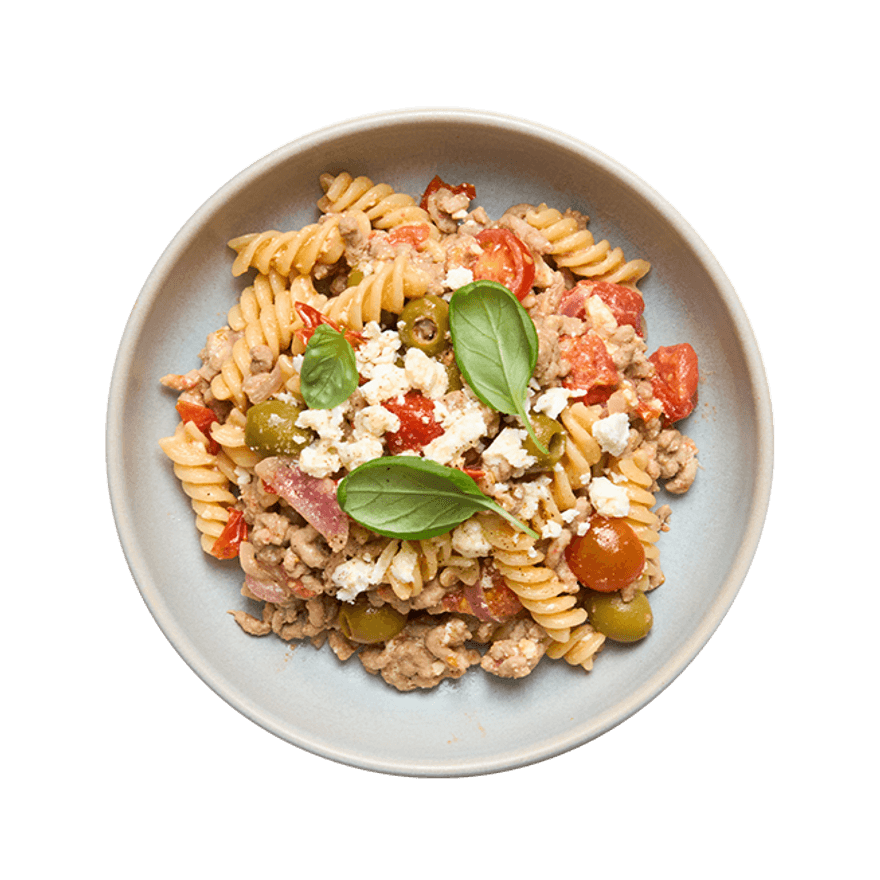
(446, 208)
(250, 624)
(422, 655)
(676, 456)
(518, 652)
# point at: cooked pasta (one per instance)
(385, 289)
(631, 476)
(540, 591)
(297, 251)
(201, 479)
(580, 648)
(573, 247)
(385, 208)
(264, 443)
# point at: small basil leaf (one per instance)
(496, 347)
(329, 372)
(413, 498)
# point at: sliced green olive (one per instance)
(365, 624)
(354, 278)
(618, 620)
(271, 428)
(454, 374)
(424, 323)
(552, 437)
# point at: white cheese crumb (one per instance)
(554, 400)
(583, 527)
(457, 277)
(426, 374)
(508, 447)
(601, 317)
(463, 426)
(387, 381)
(352, 577)
(612, 433)
(374, 421)
(319, 460)
(326, 423)
(608, 499)
(404, 565)
(551, 529)
(469, 540)
(379, 348)
(359, 451)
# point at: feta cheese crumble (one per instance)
(508, 448)
(612, 433)
(608, 499)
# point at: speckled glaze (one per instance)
(479, 724)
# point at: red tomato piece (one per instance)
(202, 417)
(415, 235)
(467, 188)
(312, 319)
(497, 602)
(505, 259)
(592, 367)
(608, 557)
(675, 381)
(229, 540)
(625, 303)
(418, 427)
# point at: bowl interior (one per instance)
(479, 724)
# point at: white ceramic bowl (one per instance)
(479, 724)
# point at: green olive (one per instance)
(454, 374)
(271, 428)
(618, 620)
(354, 278)
(424, 323)
(552, 437)
(363, 623)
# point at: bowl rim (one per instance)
(661, 677)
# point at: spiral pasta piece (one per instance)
(580, 648)
(630, 474)
(540, 591)
(202, 480)
(385, 208)
(386, 289)
(573, 247)
(582, 451)
(299, 250)
(408, 565)
(235, 455)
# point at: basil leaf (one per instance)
(403, 496)
(329, 373)
(496, 347)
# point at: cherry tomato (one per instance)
(229, 540)
(499, 602)
(418, 427)
(467, 188)
(202, 417)
(592, 367)
(625, 303)
(415, 235)
(505, 259)
(312, 318)
(608, 557)
(675, 381)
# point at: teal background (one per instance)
(754, 121)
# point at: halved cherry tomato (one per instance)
(505, 259)
(415, 235)
(592, 367)
(418, 427)
(676, 378)
(625, 303)
(467, 188)
(229, 540)
(608, 557)
(202, 417)
(312, 318)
